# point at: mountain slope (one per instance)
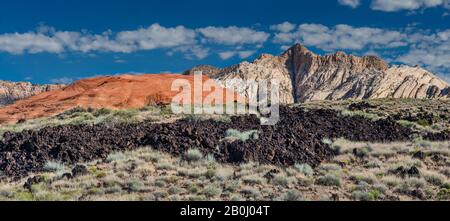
(112, 92)
(305, 76)
(13, 91)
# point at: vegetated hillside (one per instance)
(112, 92)
(305, 76)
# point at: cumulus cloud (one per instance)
(429, 50)
(241, 54)
(29, 42)
(194, 43)
(227, 55)
(283, 27)
(350, 3)
(398, 5)
(233, 35)
(150, 38)
(342, 37)
(157, 36)
(192, 52)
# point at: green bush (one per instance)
(193, 155)
(329, 180)
(243, 136)
(53, 166)
(305, 169)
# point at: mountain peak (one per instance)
(306, 76)
(298, 48)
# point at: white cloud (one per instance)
(157, 36)
(342, 37)
(233, 35)
(431, 51)
(29, 42)
(398, 5)
(227, 55)
(194, 43)
(246, 54)
(241, 54)
(350, 3)
(192, 52)
(283, 27)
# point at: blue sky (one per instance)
(50, 41)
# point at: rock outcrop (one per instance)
(13, 91)
(305, 76)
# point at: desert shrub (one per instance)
(193, 155)
(366, 196)
(165, 166)
(232, 186)
(368, 178)
(327, 141)
(364, 114)
(120, 116)
(224, 173)
(434, 178)
(136, 186)
(410, 184)
(446, 171)
(423, 123)
(281, 180)
(113, 189)
(250, 192)
(174, 190)
(406, 123)
(102, 112)
(115, 157)
(380, 188)
(329, 180)
(160, 195)
(236, 198)
(330, 168)
(71, 112)
(165, 110)
(191, 173)
(53, 166)
(252, 180)
(305, 181)
(212, 191)
(443, 194)
(415, 182)
(243, 136)
(292, 195)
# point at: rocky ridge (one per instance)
(13, 91)
(305, 76)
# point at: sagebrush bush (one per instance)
(292, 195)
(243, 136)
(434, 178)
(329, 180)
(212, 191)
(53, 166)
(305, 169)
(365, 196)
(193, 155)
(115, 157)
(281, 180)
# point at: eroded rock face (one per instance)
(305, 76)
(13, 91)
